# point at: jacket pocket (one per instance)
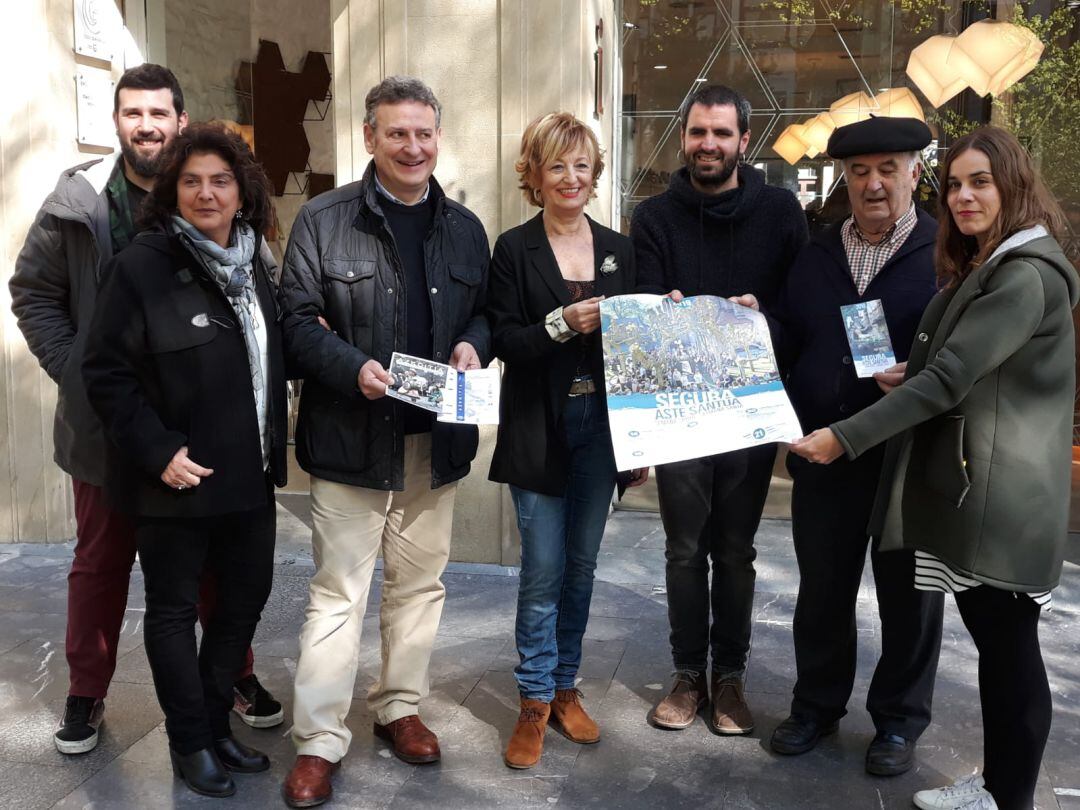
(350, 296)
(946, 469)
(467, 274)
(349, 271)
(465, 289)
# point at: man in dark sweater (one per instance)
(883, 252)
(717, 230)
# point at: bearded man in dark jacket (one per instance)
(717, 230)
(88, 217)
(883, 252)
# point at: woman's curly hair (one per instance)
(210, 138)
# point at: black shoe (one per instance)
(798, 734)
(78, 732)
(240, 758)
(203, 772)
(255, 705)
(889, 755)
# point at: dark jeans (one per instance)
(98, 592)
(830, 509)
(560, 539)
(1013, 691)
(195, 687)
(711, 508)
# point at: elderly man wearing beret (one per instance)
(882, 252)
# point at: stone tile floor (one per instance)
(472, 705)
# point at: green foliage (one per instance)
(1043, 109)
(916, 15)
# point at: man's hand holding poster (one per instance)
(689, 379)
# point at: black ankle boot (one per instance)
(240, 758)
(203, 772)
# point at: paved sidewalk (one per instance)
(473, 700)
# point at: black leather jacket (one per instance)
(342, 264)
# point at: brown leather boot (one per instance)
(568, 717)
(730, 713)
(410, 740)
(308, 783)
(527, 742)
(688, 693)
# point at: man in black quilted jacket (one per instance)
(390, 264)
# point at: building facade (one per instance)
(622, 65)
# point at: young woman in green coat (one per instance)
(978, 465)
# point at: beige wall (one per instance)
(38, 140)
(495, 65)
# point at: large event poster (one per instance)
(689, 379)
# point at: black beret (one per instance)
(878, 134)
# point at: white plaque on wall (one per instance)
(97, 24)
(94, 102)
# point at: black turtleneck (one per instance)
(738, 241)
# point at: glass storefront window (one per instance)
(788, 70)
(792, 69)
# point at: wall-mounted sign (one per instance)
(94, 103)
(97, 25)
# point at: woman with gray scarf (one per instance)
(184, 366)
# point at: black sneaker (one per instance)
(255, 705)
(78, 732)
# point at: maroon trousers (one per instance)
(98, 591)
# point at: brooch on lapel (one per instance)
(202, 319)
(608, 266)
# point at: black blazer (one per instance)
(525, 285)
(166, 366)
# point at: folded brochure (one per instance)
(462, 397)
(868, 337)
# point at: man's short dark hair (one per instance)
(394, 90)
(717, 95)
(148, 76)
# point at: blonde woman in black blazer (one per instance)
(547, 279)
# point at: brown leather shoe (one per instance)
(568, 717)
(688, 694)
(730, 714)
(527, 742)
(308, 783)
(411, 740)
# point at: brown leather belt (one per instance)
(579, 388)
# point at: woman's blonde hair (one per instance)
(545, 140)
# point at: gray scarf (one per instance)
(231, 269)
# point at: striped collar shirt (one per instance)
(866, 259)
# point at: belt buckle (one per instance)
(579, 388)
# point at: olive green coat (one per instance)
(978, 473)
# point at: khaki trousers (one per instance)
(351, 525)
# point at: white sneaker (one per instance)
(963, 793)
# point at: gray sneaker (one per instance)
(960, 794)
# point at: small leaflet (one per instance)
(868, 336)
(462, 397)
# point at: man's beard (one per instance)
(142, 165)
(713, 179)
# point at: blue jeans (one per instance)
(560, 538)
